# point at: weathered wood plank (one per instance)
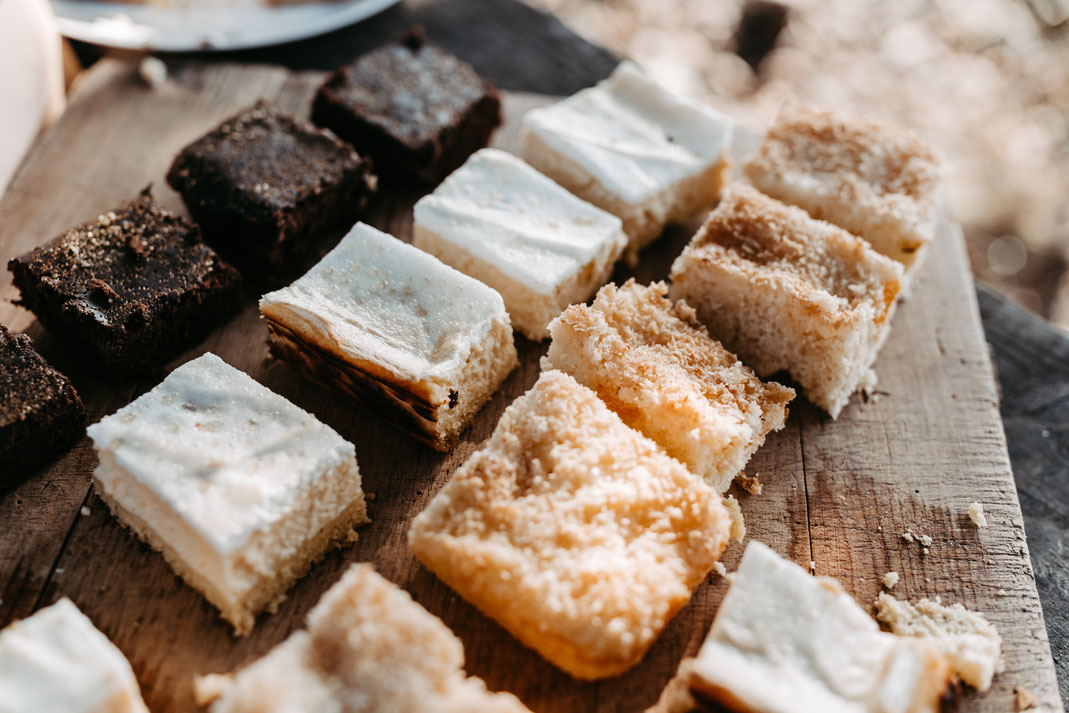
(118, 136)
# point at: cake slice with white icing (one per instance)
(367, 647)
(633, 148)
(504, 223)
(56, 661)
(785, 641)
(238, 488)
(390, 325)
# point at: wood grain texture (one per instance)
(839, 493)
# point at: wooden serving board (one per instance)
(837, 493)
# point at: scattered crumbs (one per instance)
(59, 570)
(926, 540)
(879, 528)
(976, 514)
(720, 569)
(1002, 592)
(369, 496)
(1025, 699)
(890, 579)
(749, 483)
(908, 536)
(925, 551)
(738, 525)
(153, 72)
(85, 511)
(812, 566)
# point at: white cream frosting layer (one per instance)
(632, 135)
(214, 447)
(786, 641)
(56, 661)
(506, 213)
(377, 299)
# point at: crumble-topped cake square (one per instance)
(786, 641)
(41, 414)
(56, 661)
(787, 292)
(270, 192)
(133, 288)
(873, 179)
(654, 364)
(576, 533)
(389, 324)
(416, 109)
(367, 647)
(504, 223)
(631, 147)
(238, 488)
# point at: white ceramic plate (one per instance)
(213, 25)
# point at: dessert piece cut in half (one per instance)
(132, 289)
(968, 640)
(576, 533)
(41, 414)
(415, 109)
(367, 647)
(56, 661)
(272, 193)
(386, 323)
(633, 148)
(504, 223)
(238, 488)
(653, 363)
(786, 641)
(787, 292)
(873, 179)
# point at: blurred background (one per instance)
(987, 81)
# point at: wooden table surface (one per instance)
(522, 49)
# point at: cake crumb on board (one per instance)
(749, 483)
(890, 579)
(1024, 698)
(976, 514)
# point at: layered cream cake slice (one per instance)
(633, 148)
(388, 324)
(787, 292)
(504, 223)
(873, 179)
(367, 647)
(576, 533)
(238, 488)
(56, 661)
(653, 363)
(785, 641)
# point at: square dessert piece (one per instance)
(785, 641)
(367, 647)
(423, 345)
(416, 109)
(132, 289)
(654, 364)
(873, 179)
(631, 147)
(576, 533)
(238, 488)
(56, 661)
(787, 292)
(271, 192)
(504, 223)
(41, 414)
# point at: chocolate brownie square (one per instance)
(271, 193)
(415, 109)
(133, 288)
(41, 415)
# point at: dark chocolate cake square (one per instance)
(415, 109)
(133, 288)
(271, 193)
(41, 415)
